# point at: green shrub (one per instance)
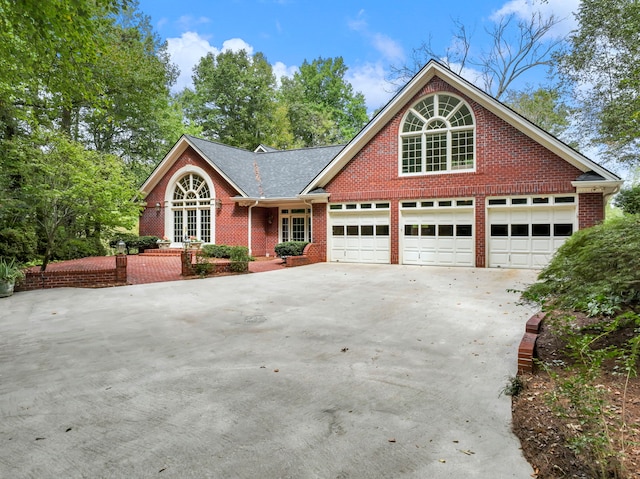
(239, 256)
(20, 244)
(216, 251)
(595, 271)
(202, 267)
(135, 242)
(628, 200)
(290, 248)
(76, 248)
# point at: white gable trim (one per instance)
(167, 162)
(403, 97)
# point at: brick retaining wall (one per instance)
(97, 278)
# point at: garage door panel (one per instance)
(439, 237)
(366, 237)
(527, 236)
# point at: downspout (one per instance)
(249, 233)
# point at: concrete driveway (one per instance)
(323, 371)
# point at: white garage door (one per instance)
(438, 232)
(524, 232)
(359, 233)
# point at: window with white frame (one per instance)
(437, 135)
(191, 205)
(295, 224)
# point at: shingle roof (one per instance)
(270, 174)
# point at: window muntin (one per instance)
(438, 135)
(191, 206)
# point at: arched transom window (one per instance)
(191, 207)
(437, 135)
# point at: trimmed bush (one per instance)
(290, 248)
(20, 244)
(216, 251)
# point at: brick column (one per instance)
(121, 268)
(187, 268)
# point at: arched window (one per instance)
(437, 135)
(191, 206)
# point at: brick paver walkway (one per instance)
(143, 269)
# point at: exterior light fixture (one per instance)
(218, 204)
(158, 207)
(121, 247)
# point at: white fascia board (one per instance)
(170, 158)
(265, 201)
(607, 187)
(430, 70)
(160, 171)
(316, 197)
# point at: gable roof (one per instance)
(264, 173)
(436, 69)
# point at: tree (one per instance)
(517, 46)
(47, 48)
(233, 100)
(323, 108)
(603, 67)
(629, 200)
(544, 107)
(67, 192)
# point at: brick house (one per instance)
(443, 175)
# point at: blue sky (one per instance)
(370, 35)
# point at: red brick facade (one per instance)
(508, 162)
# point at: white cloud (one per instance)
(281, 70)
(562, 9)
(370, 80)
(186, 51)
(235, 45)
(389, 49)
(188, 22)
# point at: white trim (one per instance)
(168, 199)
(448, 131)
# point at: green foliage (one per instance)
(240, 259)
(290, 248)
(233, 100)
(629, 200)
(321, 105)
(542, 107)
(18, 243)
(216, 251)
(514, 387)
(66, 191)
(606, 41)
(75, 248)
(134, 242)
(9, 270)
(597, 270)
(577, 396)
(202, 267)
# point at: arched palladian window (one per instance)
(191, 205)
(437, 135)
